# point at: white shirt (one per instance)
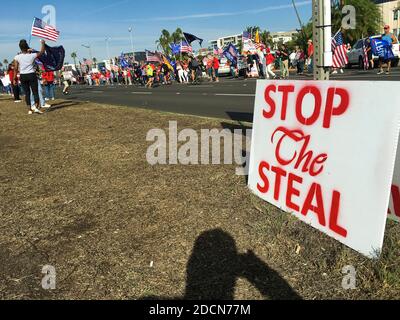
(25, 62)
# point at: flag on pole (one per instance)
(152, 56)
(176, 48)
(167, 62)
(246, 36)
(190, 38)
(186, 47)
(231, 53)
(339, 49)
(365, 59)
(123, 62)
(43, 30)
(257, 37)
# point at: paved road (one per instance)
(228, 99)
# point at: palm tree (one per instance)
(164, 41)
(74, 56)
(266, 37)
(95, 62)
(177, 36)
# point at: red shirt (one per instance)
(310, 50)
(48, 76)
(11, 74)
(216, 63)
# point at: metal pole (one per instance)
(131, 36)
(320, 71)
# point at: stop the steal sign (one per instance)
(325, 151)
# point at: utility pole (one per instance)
(322, 34)
(130, 32)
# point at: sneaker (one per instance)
(341, 71)
(17, 101)
(334, 72)
(52, 99)
(35, 110)
(387, 72)
(46, 99)
(46, 106)
(30, 112)
(380, 72)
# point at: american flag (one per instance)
(152, 56)
(365, 59)
(246, 36)
(186, 47)
(43, 30)
(339, 49)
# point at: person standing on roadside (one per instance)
(285, 62)
(14, 85)
(216, 68)
(25, 64)
(310, 55)
(391, 39)
(48, 81)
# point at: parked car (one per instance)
(224, 67)
(356, 54)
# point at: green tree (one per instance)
(164, 41)
(266, 37)
(368, 19)
(177, 36)
(74, 56)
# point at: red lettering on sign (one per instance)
(305, 158)
(396, 200)
(263, 189)
(327, 113)
(317, 105)
(340, 109)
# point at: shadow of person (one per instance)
(215, 265)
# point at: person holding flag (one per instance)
(339, 49)
(24, 63)
(389, 39)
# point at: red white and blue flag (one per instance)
(43, 30)
(186, 47)
(339, 49)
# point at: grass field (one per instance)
(77, 193)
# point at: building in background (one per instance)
(283, 36)
(224, 41)
(390, 10)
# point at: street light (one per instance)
(90, 50)
(108, 50)
(130, 33)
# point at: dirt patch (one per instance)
(77, 193)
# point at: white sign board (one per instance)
(325, 151)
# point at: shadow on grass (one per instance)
(215, 265)
(64, 104)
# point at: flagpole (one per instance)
(30, 33)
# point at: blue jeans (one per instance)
(42, 102)
(49, 91)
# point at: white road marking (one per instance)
(234, 95)
(142, 92)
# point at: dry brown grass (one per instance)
(77, 193)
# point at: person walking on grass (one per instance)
(24, 63)
(14, 85)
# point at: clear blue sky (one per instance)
(92, 21)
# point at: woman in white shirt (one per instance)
(25, 64)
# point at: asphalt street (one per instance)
(229, 99)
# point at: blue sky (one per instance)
(92, 21)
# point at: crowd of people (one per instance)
(26, 76)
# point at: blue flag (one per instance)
(231, 53)
(124, 63)
(382, 49)
(176, 48)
